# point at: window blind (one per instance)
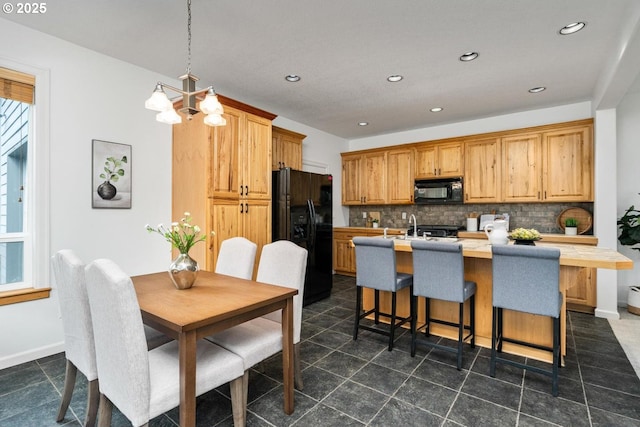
(17, 86)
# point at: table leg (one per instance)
(287, 355)
(187, 346)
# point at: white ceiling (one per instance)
(345, 49)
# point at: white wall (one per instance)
(91, 96)
(628, 178)
(540, 117)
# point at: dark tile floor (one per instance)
(360, 383)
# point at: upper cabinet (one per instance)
(286, 149)
(364, 178)
(552, 163)
(482, 177)
(568, 164)
(400, 176)
(438, 160)
(522, 168)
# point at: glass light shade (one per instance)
(158, 101)
(215, 120)
(211, 105)
(169, 117)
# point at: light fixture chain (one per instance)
(188, 36)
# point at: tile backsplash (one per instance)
(541, 216)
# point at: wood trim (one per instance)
(287, 132)
(17, 76)
(498, 134)
(228, 102)
(23, 295)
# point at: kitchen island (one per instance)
(574, 260)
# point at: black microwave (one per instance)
(438, 191)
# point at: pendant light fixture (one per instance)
(159, 101)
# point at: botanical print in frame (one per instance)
(111, 175)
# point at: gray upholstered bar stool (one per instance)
(376, 269)
(438, 272)
(526, 279)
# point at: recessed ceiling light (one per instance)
(469, 56)
(537, 89)
(436, 109)
(572, 28)
(395, 78)
(292, 78)
(363, 123)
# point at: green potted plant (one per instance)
(629, 225)
(571, 226)
(375, 223)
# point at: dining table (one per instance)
(215, 302)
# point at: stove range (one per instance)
(436, 230)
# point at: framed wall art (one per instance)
(111, 175)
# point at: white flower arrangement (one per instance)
(525, 234)
(182, 235)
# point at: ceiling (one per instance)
(345, 50)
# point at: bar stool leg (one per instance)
(377, 306)
(358, 310)
(472, 320)
(492, 364)
(414, 323)
(556, 355)
(500, 324)
(392, 326)
(460, 334)
(427, 316)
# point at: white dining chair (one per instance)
(143, 384)
(69, 274)
(282, 263)
(236, 258)
(79, 349)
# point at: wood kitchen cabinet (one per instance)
(522, 168)
(553, 166)
(439, 160)
(222, 176)
(364, 178)
(482, 177)
(286, 149)
(400, 176)
(568, 164)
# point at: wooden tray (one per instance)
(583, 216)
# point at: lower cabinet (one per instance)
(232, 218)
(581, 291)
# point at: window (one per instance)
(16, 112)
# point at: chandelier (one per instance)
(159, 101)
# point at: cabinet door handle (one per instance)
(246, 190)
(241, 192)
(241, 208)
(439, 171)
(435, 171)
(246, 207)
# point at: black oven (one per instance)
(439, 191)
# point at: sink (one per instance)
(433, 239)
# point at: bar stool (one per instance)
(376, 269)
(526, 279)
(438, 272)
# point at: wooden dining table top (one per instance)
(213, 299)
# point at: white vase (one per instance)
(375, 225)
(571, 231)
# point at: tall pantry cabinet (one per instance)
(222, 176)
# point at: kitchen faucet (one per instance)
(415, 226)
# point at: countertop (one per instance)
(576, 255)
(577, 251)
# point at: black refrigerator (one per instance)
(302, 214)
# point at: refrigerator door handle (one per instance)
(312, 224)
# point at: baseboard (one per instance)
(28, 356)
(607, 314)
